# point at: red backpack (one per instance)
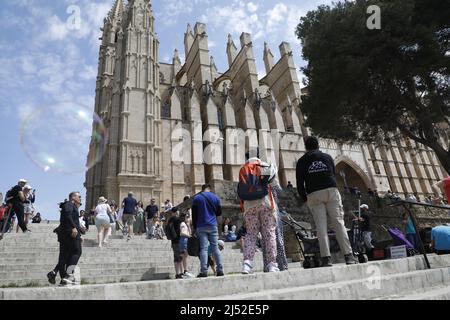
(3, 211)
(252, 185)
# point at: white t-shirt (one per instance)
(185, 229)
(101, 211)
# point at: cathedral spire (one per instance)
(116, 12)
(268, 58)
(231, 50)
(188, 39)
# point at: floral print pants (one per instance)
(260, 219)
(281, 251)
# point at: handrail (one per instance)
(397, 203)
(407, 204)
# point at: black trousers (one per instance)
(19, 210)
(69, 254)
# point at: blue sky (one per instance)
(43, 62)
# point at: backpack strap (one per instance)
(272, 202)
(209, 203)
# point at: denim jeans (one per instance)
(209, 236)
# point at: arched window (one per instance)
(165, 110)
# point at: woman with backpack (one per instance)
(172, 231)
(256, 181)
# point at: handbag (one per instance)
(193, 246)
(111, 219)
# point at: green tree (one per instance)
(370, 85)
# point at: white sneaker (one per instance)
(273, 268)
(247, 267)
(187, 275)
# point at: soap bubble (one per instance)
(65, 137)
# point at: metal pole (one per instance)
(414, 221)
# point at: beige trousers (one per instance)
(327, 204)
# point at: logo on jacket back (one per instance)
(317, 166)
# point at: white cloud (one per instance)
(57, 30)
(251, 7)
(234, 18)
(276, 15)
(88, 73)
(28, 65)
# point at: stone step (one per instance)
(52, 242)
(27, 263)
(90, 244)
(359, 289)
(433, 293)
(104, 279)
(38, 278)
(339, 282)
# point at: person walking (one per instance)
(206, 207)
(185, 234)
(256, 182)
(30, 198)
(129, 205)
(364, 222)
(102, 221)
(151, 212)
(139, 224)
(16, 199)
(279, 233)
(172, 230)
(316, 184)
(69, 237)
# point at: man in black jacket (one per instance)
(316, 183)
(69, 237)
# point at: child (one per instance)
(211, 261)
(185, 234)
(159, 233)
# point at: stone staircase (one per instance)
(139, 270)
(25, 259)
(390, 279)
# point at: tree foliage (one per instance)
(368, 85)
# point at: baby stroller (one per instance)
(399, 239)
(309, 244)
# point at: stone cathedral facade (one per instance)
(173, 127)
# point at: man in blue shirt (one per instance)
(206, 208)
(152, 212)
(129, 205)
(440, 236)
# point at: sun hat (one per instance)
(102, 200)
